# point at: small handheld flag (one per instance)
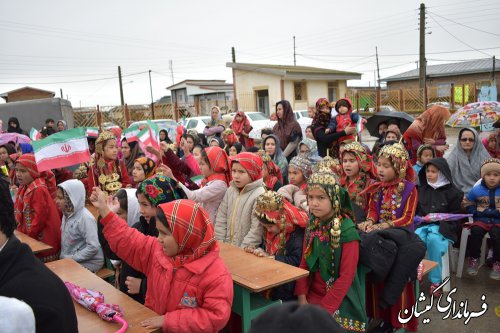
(34, 134)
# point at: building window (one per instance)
(299, 89)
(332, 91)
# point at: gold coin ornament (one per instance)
(102, 179)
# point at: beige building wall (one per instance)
(315, 90)
(248, 82)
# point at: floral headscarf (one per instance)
(252, 163)
(219, 164)
(161, 189)
(272, 208)
(148, 165)
(303, 164)
(321, 119)
(367, 173)
(324, 237)
(191, 229)
(313, 148)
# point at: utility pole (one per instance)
(422, 62)
(294, 58)
(62, 96)
(493, 70)
(233, 58)
(378, 69)
(171, 70)
(121, 85)
(151, 91)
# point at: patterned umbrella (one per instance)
(431, 217)
(94, 301)
(14, 137)
(475, 114)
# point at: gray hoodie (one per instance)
(79, 239)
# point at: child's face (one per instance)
(4, 155)
(304, 150)
(350, 165)
(393, 127)
(214, 143)
(325, 109)
(343, 109)
(60, 201)
(125, 149)
(432, 173)
(272, 229)
(166, 239)
(240, 176)
(270, 147)
(295, 176)
(233, 151)
(309, 133)
(60, 126)
(492, 143)
(391, 137)
(205, 168)
(426, 156)
(145, 207)
(138, 173)
(319, 204)
(111, 150)
(492, 179)
(197, 154)
(23, 175)
(122, 213)
(385, 170)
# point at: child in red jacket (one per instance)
(188, 283)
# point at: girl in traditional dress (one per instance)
(242, 128)
(331, 254)
(106, 170)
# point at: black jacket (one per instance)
(148, 229)
(411, 251)
(445, 199)
(292, 256)
(325, 141)
(26, 278)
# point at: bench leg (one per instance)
(461, 254)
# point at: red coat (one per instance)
(41, 221)
(197, 297)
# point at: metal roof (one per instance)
(296, 72)
(5, 94)
(459, 68)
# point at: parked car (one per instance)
(196, 123)
(167, 124)
(228, 118)
(303, 119)
(388, 108)
(109, 125)
(259, 121)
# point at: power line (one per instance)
(463, 25)
(78, 81)
(458, 39)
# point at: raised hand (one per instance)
(99, 200)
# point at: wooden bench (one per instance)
(105, 273)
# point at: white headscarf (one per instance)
(440, 182)
(133, 214)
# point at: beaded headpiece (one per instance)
(101, 139)
(398, 155)
(268, 201)
(109, 182)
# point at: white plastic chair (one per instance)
(463, 247)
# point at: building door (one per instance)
(263, 101)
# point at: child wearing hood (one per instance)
(344, 118)
(437, 194)
(79, 239)
(189, 285)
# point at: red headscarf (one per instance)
(252, 163)
(219, 164)
(191, 229)
(43, 179)
(429, 124)
(273, 171)
(239, 126)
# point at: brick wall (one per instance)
(28, 94)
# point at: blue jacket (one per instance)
(484, 203)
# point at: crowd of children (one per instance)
(162, 212)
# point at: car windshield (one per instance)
(206, 120)
(257, 116)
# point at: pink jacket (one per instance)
(196, 297)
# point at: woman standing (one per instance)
(242, 128)
(287, 129)
(428, 128)
(466, 158)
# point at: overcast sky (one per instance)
(76, 46)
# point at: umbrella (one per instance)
(475, 114)
(431, 217)
(14, 137)
(404, 120)
(94, 301)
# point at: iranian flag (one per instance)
(149, 136)
(62, 149)
(92, 132)
(360, 125)
(131, 133)
(34, 134)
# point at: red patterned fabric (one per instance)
(242, 126)
(251, 162)
(191, 228)
(274, 174)
(294, 217)
(29, 162)
(219, 164)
